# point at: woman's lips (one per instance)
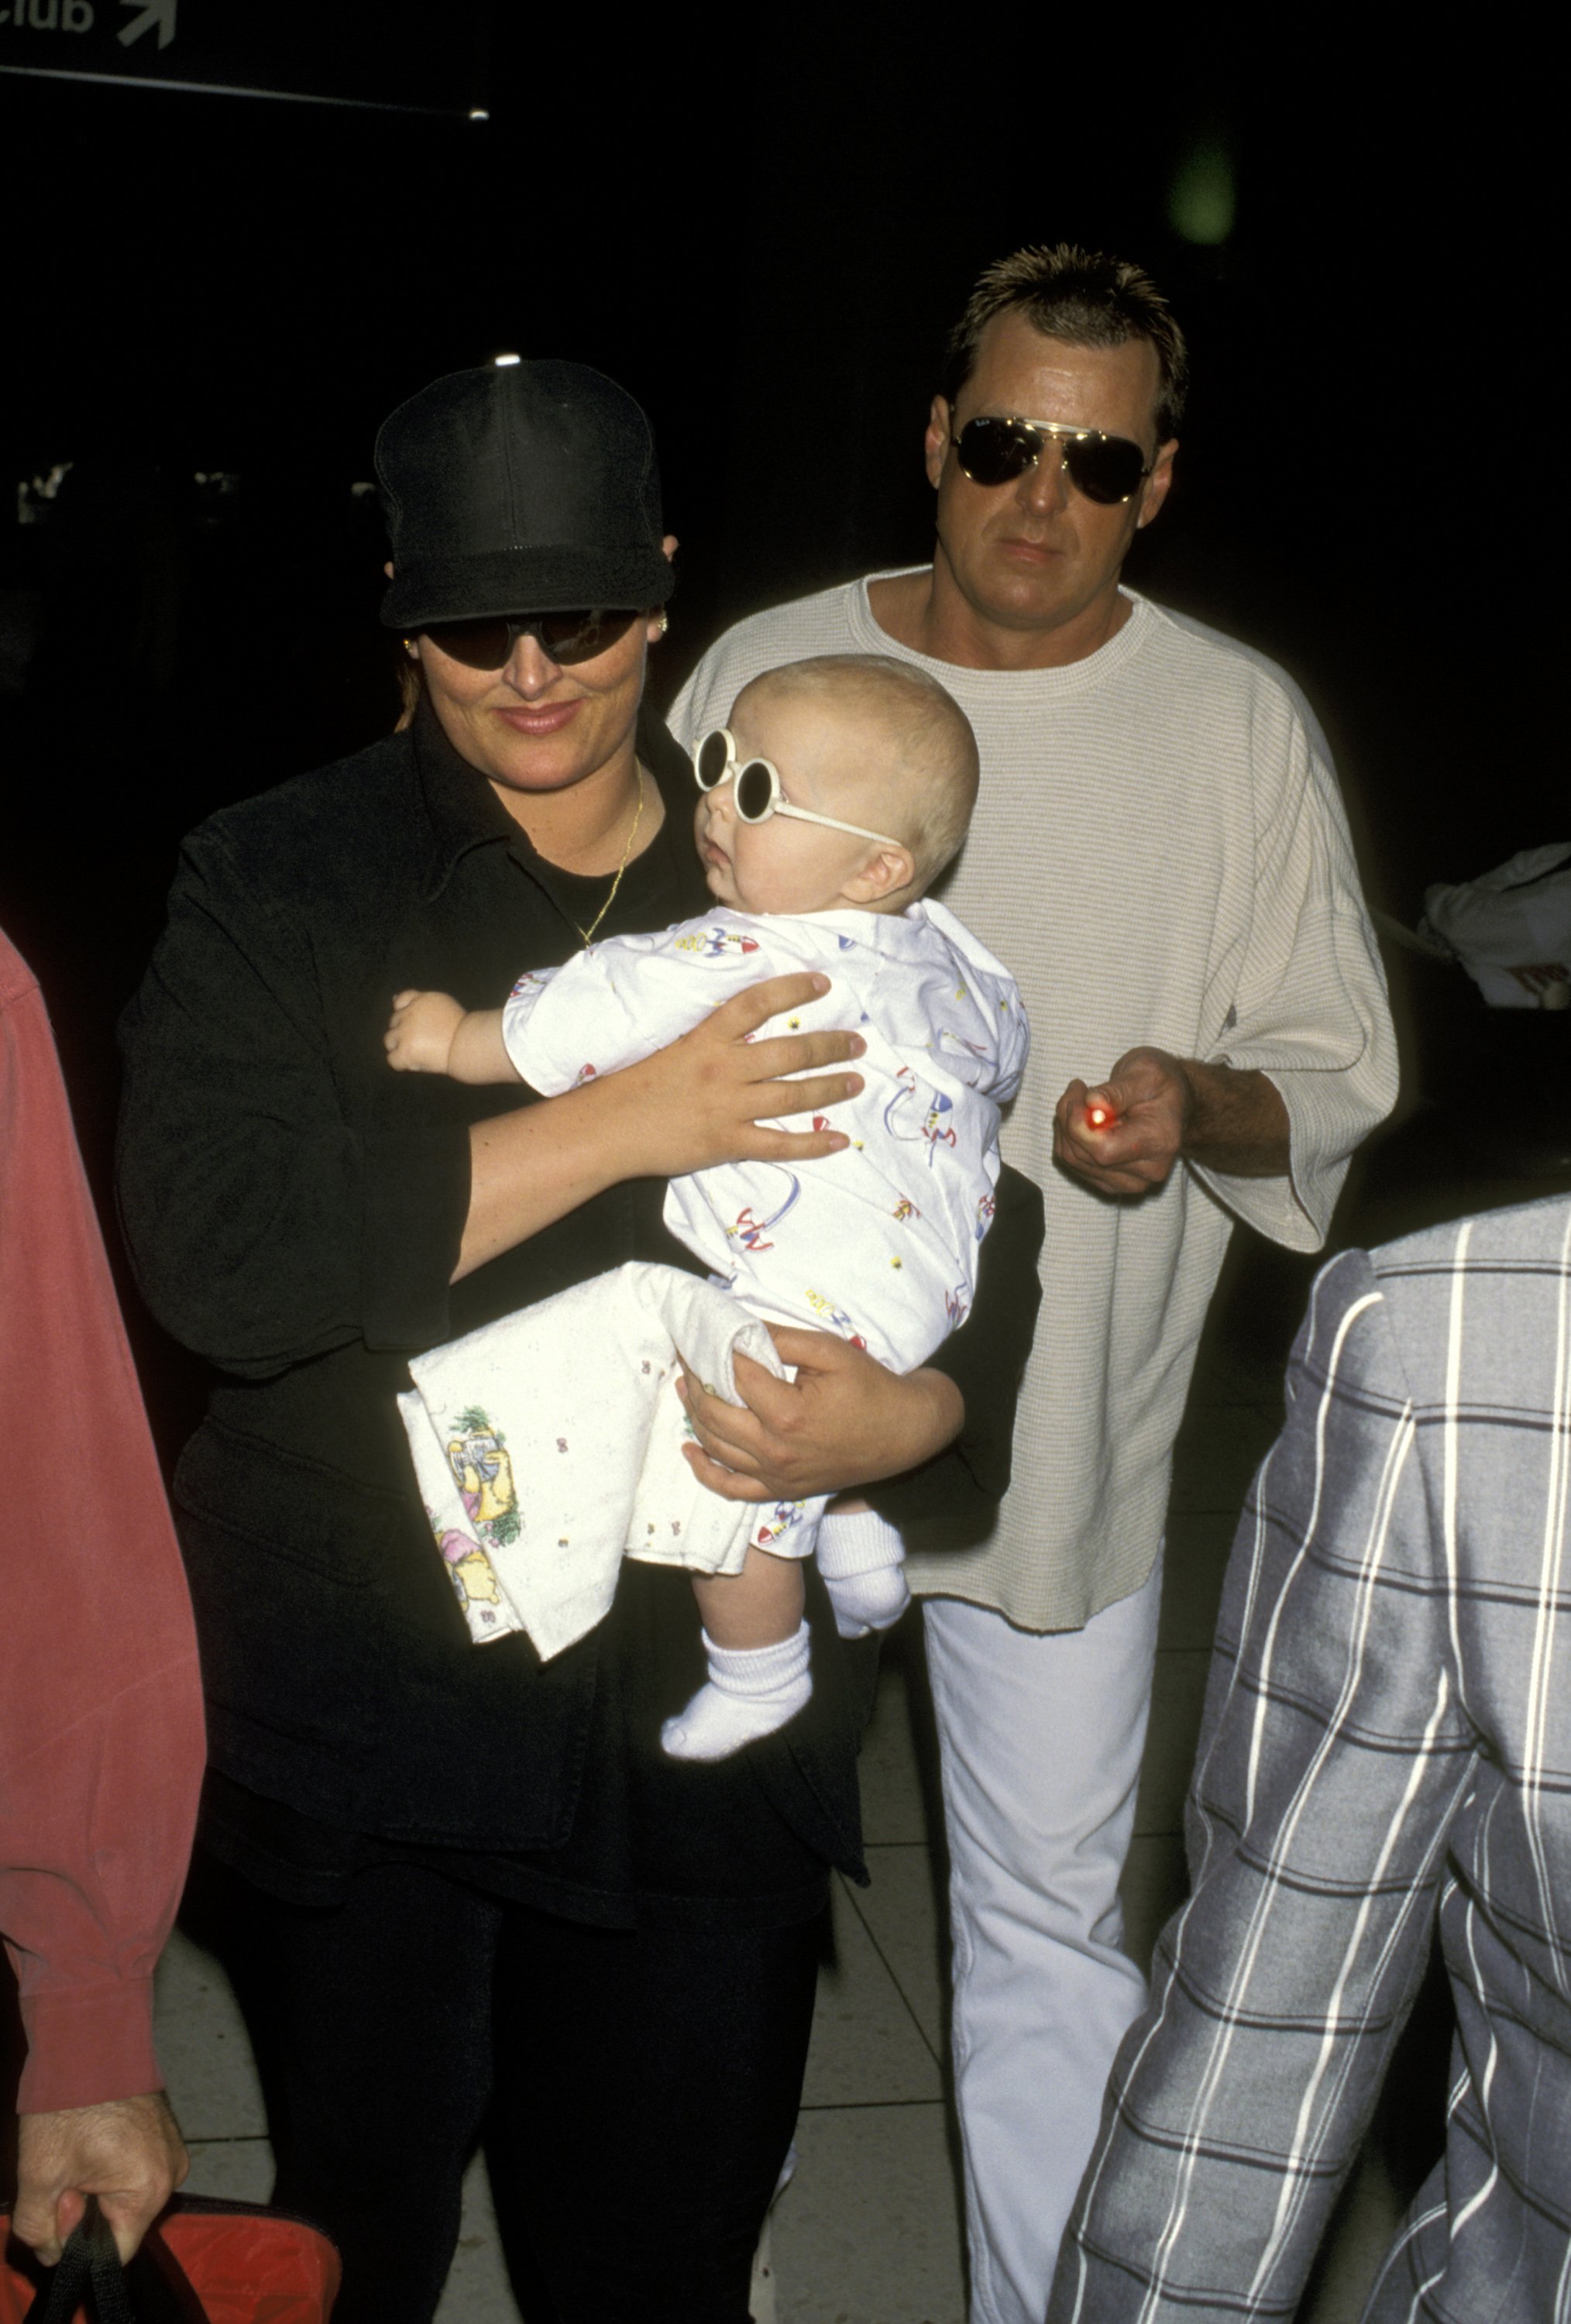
(549, 718)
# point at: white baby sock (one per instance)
(752, 1691)
(862, 1559)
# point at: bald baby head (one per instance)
(904, 761)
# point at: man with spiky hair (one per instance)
(1159, 854)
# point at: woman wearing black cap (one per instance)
(461, 1888)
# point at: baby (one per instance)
(837, 794)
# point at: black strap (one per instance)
(89, 2274)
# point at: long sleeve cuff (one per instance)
(1332, 1056)
(1326, 1124)
(85, 2048)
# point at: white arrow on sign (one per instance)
(153, 12)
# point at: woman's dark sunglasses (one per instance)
(562, 638)
(1105, 468)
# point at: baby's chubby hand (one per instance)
(419, 1038)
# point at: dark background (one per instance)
(763, 229)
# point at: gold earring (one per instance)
(663, 622)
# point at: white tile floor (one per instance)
(869, 2231)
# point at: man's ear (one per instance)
(935, 443)
(887, 870)
(1155, 489)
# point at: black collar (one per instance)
(463, 811)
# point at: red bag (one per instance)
(205, 2263)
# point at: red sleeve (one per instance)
(101, 1744)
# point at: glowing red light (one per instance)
(1099, 1116)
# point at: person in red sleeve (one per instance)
(101, 1740)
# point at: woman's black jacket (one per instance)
(293, 1209)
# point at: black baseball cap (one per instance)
(520, 487)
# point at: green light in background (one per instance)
(1201, 202)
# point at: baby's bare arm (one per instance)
(479, 1053)
(430, 1033)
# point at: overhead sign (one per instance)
(400, 53)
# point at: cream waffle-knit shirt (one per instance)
(1158, 855)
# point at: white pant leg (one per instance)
(1040, 1740)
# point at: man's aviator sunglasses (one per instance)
(758, 794)
(562, 638)
(994, 451)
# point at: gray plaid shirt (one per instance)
(1388, 1734)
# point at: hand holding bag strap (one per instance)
(89, 2276)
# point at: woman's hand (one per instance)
(845, 1420)
(704, 1099)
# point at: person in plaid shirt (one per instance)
(1387, 1739)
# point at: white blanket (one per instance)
(547, 1447)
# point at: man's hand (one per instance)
(1148, 1101)
(128, 2151)
(845, 1420)
(1123, 1136)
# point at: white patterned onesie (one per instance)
(878, 1243)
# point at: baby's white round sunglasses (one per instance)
(758, 787)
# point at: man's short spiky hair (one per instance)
(1084, 297)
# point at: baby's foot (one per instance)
(752, 1691)
(867, 1602)
(862, 1561)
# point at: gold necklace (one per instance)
(587, 934)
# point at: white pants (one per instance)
(1040, 1740)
